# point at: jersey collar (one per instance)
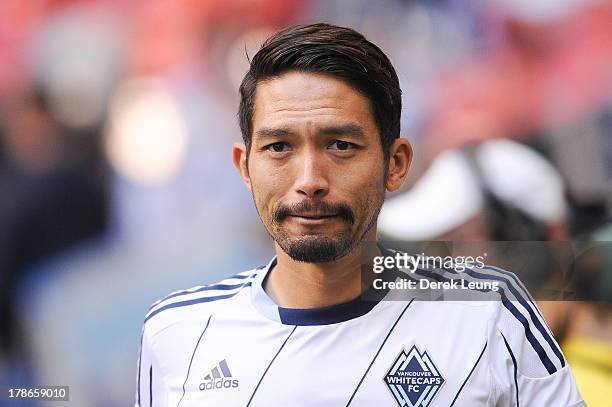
(305, 316)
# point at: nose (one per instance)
(312, 179)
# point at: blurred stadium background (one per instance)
(116, 184)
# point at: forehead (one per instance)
(298, 97)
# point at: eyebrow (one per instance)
(350, 129)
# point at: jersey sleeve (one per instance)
(149, 378)
(527, 365)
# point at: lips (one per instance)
(313, 216)
(314, 213)
(313, 219)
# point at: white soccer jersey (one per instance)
(229, 344)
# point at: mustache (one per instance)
(321, 208)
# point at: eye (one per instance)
(277, 147)
(342, 145)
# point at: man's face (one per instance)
(315, 167)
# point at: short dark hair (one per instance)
(327, 49)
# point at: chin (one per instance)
(316, 248)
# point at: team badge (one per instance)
(413, 379)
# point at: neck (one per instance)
(294, 284)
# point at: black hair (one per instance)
(340, 52)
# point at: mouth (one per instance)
(307, 213)
(313, 219)
(314, 215)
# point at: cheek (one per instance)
(374, 190)
(373, 196)
(365, 179)
(365, 188)
(267, 186)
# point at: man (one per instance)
(319, 113)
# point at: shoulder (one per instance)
(518, 331)
(196, 302)
(525, 361)
(513, 310)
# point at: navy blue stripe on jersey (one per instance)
(378, 352)
(525, 292)
(536, 321)
(218, 286)
(550, 367)
(151, 386)
(516, 280)
(194, 301)
(515, 368)
(191, 360)
(270, 364)
(470, 374)
(139, 367)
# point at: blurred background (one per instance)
(116, 184)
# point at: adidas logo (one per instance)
(219, 377)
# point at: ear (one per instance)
(400, 157)
(239, 158)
